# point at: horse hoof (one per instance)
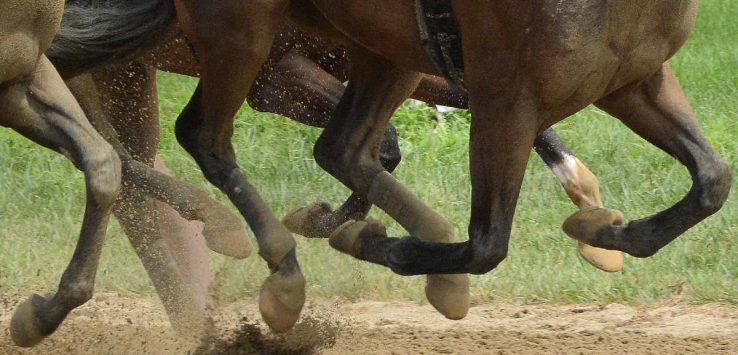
(24, 330)
(229, 239)
(449, 294)
(347, 237)
(307, 221)
(603, 259)
(585, 224)
(281, 299)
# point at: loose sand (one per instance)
(111, 324)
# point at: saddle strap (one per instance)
(440, 36)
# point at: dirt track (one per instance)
(111, 324)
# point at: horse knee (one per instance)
(487, 260)
(714, 186)
(355, 168)
(189, 123)
(324, 153)
(103, 170)
(332, 157)
(389, 152)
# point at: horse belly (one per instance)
(386, 27)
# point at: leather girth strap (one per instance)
(439, 34)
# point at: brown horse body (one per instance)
(527, 66)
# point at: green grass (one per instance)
(41, 200)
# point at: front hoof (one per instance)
(227, 238)
(24, 328)
(312, 221)
(603, 259)
(347, 237)
(449, 294)
(585, 224)
(281, 299)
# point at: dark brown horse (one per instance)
(218, 97)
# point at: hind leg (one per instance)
(583, 189)
(658, 111)
(44, 110)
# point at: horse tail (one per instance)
(97, 31)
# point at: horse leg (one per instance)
(347, 149)
(223, 231)
(438, 91)
(128, 95)
(44, 110)
(296, 87)
(658, 111)
(578, 182)
(319, 220)
(583, 189)
(300, 89)
(224, 33)
(186, 242)
(496, 174)
(504, 125)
